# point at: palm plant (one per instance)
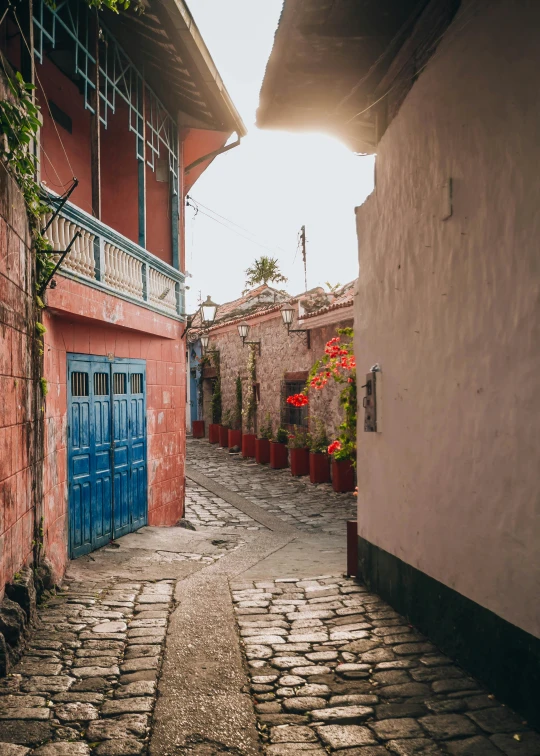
(263, 271)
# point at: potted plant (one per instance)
(279, 457)
(197, 428)
(213, 428)
(319, 461)
(299, 442)
(342, 466)
(262, 444)
(235, 431)
(224, 429)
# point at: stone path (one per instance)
(206, 510)
(309, 508)
(89, 675)
(334, 668)
(141, 652)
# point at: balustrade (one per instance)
(113, 262)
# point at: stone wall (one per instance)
(281, 354)
(20, 392)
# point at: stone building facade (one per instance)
(283, 364)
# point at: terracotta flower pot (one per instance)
(248, 444)
(223, 436)
(213, 433)
(235, 438)
(319, 467)
(299, 461)
(342, 475)
(197, 428)
(262, 450)
(279, 457)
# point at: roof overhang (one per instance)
(335, 62)
(165, 42)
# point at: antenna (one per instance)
(303, 242)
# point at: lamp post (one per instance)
(243, 332)
(208, 310)
(205, 338)
(287, 314)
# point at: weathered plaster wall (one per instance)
(280, 354)
(450, 310)
(84, 320)
(19, 388)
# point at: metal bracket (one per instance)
(63, 199)
(302, 330)
(60, 261)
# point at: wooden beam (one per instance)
(95, 125)
(141, 163)
(25, 16)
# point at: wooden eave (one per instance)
(333, 62)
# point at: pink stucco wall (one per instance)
(87, 321)
(450, 310)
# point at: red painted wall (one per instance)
(119, 174)
(17, 388)
(57, 170)
(158, 217)
(84, 320)
(196, 144)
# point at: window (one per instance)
(79, 384)
(294, 415)
(136, 383)
(119, 383)
(101, 384)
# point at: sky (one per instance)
(264, 190)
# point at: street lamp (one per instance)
(205, 338)
(287, 314)
(207, 310)
(243, 332)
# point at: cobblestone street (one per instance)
(237, 633)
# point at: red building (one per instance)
(134, 109)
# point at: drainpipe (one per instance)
(212, 155)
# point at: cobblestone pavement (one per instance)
(204, 510)
(309, 508)
(334, 668)
(89, 675)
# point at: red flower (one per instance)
(335, 446)
(298, 400)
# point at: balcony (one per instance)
(108, 261)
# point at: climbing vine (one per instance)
(19, 124)
(338, 364)
(249, 409)
(216, 403)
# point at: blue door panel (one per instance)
(107, 470)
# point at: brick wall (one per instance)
(20, 397)
(280, 354)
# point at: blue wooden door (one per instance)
(106, 450)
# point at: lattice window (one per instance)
(148, 117)
(294, 415)
(79, 384)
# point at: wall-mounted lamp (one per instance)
(205, 338)
(243, 332)
(208, 310)
(287, 313)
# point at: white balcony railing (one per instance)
(114, 263)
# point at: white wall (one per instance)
(450, 310)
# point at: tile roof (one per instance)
(328, 301)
